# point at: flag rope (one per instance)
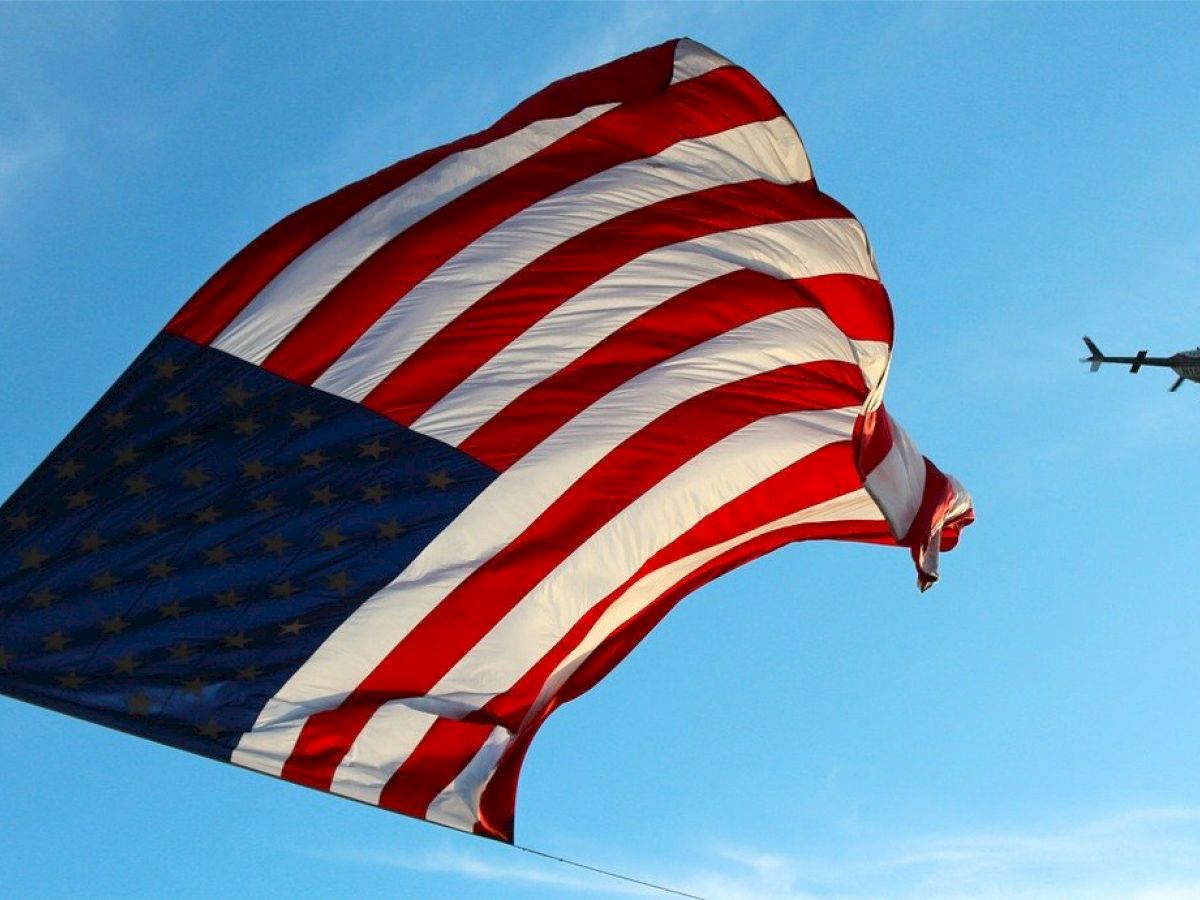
(629, 878)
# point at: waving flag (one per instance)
(431, 455)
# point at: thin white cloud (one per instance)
(25, 151)
(48, 125)
(605, 34)
(583, 37)
(474, 867)
(1143, 853)
(1139, 854)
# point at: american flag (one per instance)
(431, 455)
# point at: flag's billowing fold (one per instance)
(431, 455)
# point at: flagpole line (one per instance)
(632, 880)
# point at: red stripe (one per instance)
(451, 629)
(223, 296)
(722, 99)
(876, 440)
(435, 762)
(858, 307)
(513, 306)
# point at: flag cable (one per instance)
(579, 865)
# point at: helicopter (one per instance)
(1185, 363)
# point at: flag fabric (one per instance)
(431, 455)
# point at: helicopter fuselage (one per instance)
(1186, 364)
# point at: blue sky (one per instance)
(809, 726)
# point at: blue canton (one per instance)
(199, 534)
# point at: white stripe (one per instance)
(693, 59)
(458, 804)
(703, 484)
(267, 753)
(782, 250)
(767, 150)
(268, 318)
(962, 500)
(518, 496)
(855, 506)
(361, 776)
(898, 482)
